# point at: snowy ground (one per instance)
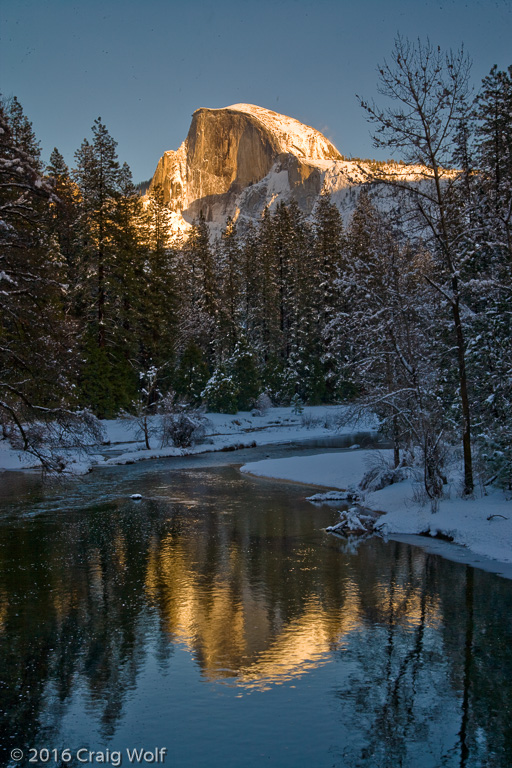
(123, 442)
(483, 525)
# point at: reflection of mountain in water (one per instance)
(239, 573)
(239, 632)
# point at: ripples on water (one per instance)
(215, 618)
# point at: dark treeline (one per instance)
(406, 310)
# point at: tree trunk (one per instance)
(466, 414)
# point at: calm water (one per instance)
(215, 619)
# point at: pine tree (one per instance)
(108, 249)
(284, 248)
(158, 220)
(493, 114)
(126, 287)
(328, 249)
(220, 392)
(158, 289)
(30, 298)
(192, 373)
(266, 301)
(250, 287)
(303, 308)
(21, 132)
(488, 275)
(36, 348)
(242, 366)
(64, 212)
(229, 264)
(199, 289)
(98, 176)
(326, 263)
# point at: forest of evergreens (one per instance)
(406, 310)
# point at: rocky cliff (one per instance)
(238, 160)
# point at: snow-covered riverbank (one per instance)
(123, 442)
(482, 524)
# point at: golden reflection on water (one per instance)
(406, 605)
(303, 644)
(251, 615)
(238, 635)
(92, 606)
(254, 605)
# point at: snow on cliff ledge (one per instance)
(293, 136)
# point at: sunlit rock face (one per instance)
(238, 160)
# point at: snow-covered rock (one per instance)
(319, 498)
(353, 521)
(240, 159)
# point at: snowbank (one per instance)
(242, 430)
(11, 459)
(329, 470)
(482, 524)
(123, 444)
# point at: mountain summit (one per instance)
(237, 160)
(289, 135)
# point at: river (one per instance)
(215, 620)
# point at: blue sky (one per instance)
(144, 67)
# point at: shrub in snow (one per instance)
(145, 405)
(308, 421)
(145, 426)
(181, 425)
(296, 405)
(377, 478)
(262, 404)
(221, 393)
(353, 521)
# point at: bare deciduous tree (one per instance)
(427, 93)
